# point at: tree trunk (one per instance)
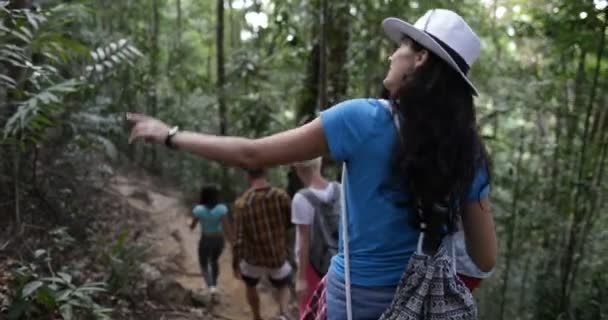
(17, 74)
(322, 97)
(234, 27)
(178, 6)
(150, 156)
(495, 41)
(307, 101)
(512, 226)
(221, 82)
(221, 76)
(582, 188)
(338, 39)
(565, 201)
(17, 181)
(20, 4)
(523, 287)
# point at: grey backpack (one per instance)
(324, 228)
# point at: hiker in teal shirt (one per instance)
(214, 223)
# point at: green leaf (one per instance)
(66, 311)
(51, 57)
(14, 62)
(45, 297)
(21, 36)
(7, 81)
(31, 18)
(27, 32)
(65, 276)
(135, 51)
(101, 54)
(18, 308)
(63, 295)
(39, 253)
(53, 279)
(31, 288)
(120, 243)
(13, 54)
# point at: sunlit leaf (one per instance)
(31, 288)
(31, 18)
(39, 253)
(65, 276)
(135, 51)
(26, 32)
(101, 54)
(63, 295)
(7, 81)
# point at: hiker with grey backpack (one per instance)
(315, 210)
(413, 166)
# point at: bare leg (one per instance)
(254, 302)
(284, 300)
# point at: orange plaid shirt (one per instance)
(261, 219)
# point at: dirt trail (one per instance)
(175, 248)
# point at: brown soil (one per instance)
(174, 248)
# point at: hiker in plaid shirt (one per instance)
(261, 219)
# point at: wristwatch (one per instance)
(172, 132)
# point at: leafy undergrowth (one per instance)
(88, 267)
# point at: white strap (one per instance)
(452, 241)
(387, 105)
(347, 285)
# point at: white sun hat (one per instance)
(444, 33)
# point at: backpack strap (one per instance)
(387, 105)
(310, 197)
(347, 282)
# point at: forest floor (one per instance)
(174, 247)
(128, 230)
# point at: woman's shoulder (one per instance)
(220, 207)
(199, 208)
(365, 103)
(360, 109)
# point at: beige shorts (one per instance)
(278, 276)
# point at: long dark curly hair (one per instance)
(439, 148)
(209, 196)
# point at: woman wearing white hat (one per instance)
(433, 155)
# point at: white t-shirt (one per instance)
(302, 211)
(464, 263)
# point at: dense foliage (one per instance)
(70, 69)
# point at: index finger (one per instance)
(135, 117)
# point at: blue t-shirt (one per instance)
(211, 220)
(361, 132)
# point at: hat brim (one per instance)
(396, 28)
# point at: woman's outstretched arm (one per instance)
(302, 143)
